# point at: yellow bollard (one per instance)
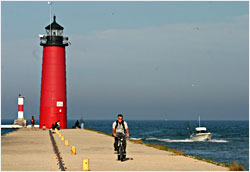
(60, 135)
(73, 150)
(56, 130)
(62, 138)
(66, 143)
(85, 164)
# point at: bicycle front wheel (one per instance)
(121, 153)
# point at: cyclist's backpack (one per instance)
(122, 125)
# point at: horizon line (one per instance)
(152, 119)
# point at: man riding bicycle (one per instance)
(119, 127)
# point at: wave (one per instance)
(218, 141)
(185, 140)
(132, 138)
(170, 140)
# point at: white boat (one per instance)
(201, 134)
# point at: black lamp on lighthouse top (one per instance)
(54, 35)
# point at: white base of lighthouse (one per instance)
(20, 121)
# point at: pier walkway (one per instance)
(27, 150)
(32, 150)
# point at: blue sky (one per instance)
(147, 60)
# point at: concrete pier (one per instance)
(32, 150)
(27, 150)
(98, 148)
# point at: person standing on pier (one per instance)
(82, 123)
(119, 127)
(32, 121)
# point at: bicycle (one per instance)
(121, 149)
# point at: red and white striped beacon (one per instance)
(53, 100)
(20, 106)
(20, 116)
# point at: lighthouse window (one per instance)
(54, 32)
(60, 33)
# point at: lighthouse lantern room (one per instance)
(54, 35)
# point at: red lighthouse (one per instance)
(53, 101)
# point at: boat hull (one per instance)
(201, 137)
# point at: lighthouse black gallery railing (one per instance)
(54, 40)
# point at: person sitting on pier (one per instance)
(119, 127)
(77, 124)
(56, 125)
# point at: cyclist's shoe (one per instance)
(119, 157)
(124, 158)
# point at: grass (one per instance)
(211, 160)
(136, 141)
(234, 166)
